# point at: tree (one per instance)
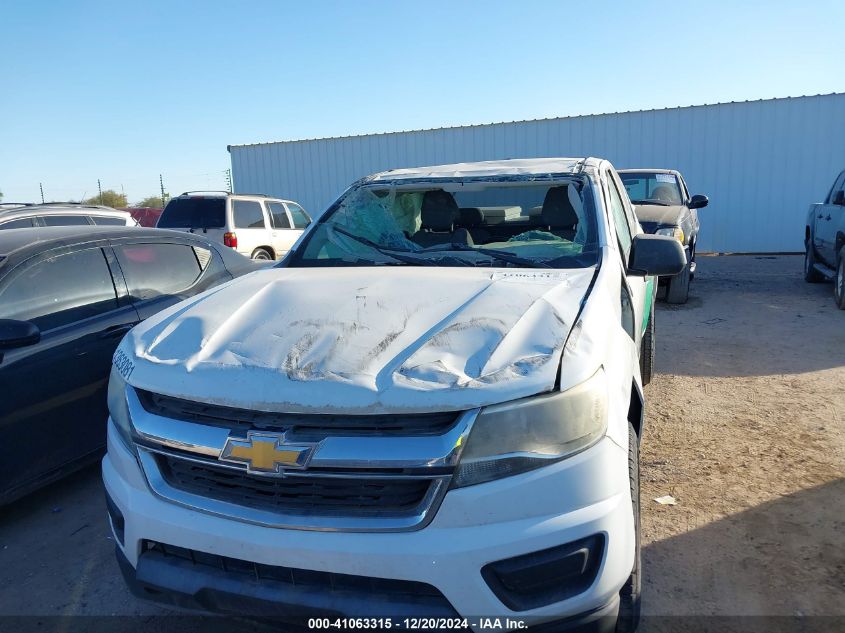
(110, 198)
(154, 202)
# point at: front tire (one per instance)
(647, 350)
(630, 594)
(678, 289)
(839, 281)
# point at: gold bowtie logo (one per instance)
(266, 453)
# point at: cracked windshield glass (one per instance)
(524, 225)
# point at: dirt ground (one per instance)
(745, 428)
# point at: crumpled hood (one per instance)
(659, 214)
(363, 340)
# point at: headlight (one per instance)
(118, 407)
(674, 231)
(518, 436)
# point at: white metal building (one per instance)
(761, 162)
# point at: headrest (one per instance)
(562, 207)
(439, 211)
(471, 217)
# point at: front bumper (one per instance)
(582, 496)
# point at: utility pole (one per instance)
(161, 183)
(41, 187)
(100, 189)
(228, 173)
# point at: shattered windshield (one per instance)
(524, 224)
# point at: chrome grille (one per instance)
(297, 494)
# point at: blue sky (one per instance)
(125, 91)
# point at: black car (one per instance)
(664, 206)
(67, 297)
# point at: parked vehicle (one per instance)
(62, 214)
(422, 410)
(824, 241)
(257, 226)
(67, 296)
(664, 206)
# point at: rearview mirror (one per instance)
(14, 334)
(658, 255)
(698, 201)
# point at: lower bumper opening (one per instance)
(198, 580)
(546, 576)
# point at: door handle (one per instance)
(819, 216)
(828, 217)
(113, 331)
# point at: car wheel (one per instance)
(629, 596)
(678, 289)
(811, 275)
(647, 349)
(839, 282)
(262, 254)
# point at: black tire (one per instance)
(839, 281)
(678, 289)
(630, 594)
(647, 349)
(262, 254)
(811, 275)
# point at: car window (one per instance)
(297, 213)
(64, 220)
(193, 212)
(837, 186)
(247, 214)
(620, 220)
(278, 215)
(60, 290)
(153, 270)
(650, 187)
(105, 220)
(21, 223)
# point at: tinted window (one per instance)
(837, 186)
(17, 224)
(297, 213)
(193, 212)
(278, 215)
(650, 187)
(152, 270)
(247, 214)
(108, 221)
(620, 221)
(60, 290)
(64, 220)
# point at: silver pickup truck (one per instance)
(824, 241)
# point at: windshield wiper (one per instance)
(500, 255)
(658, 202)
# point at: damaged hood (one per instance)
(659, 214)
(362, 340)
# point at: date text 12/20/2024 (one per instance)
(418, 624)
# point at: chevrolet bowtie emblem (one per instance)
(266, 453)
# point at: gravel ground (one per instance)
(745, 422)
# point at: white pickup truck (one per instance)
(824, 241)
(418, 414)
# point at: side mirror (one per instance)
(698, 201)
(839, 198)
(658, 255)
(14, 334)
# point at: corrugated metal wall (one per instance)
(761, 162)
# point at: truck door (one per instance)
(827, 219)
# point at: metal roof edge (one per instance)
(559, 118)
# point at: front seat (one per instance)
(438, 215)
(665, 194)
(562, 208)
